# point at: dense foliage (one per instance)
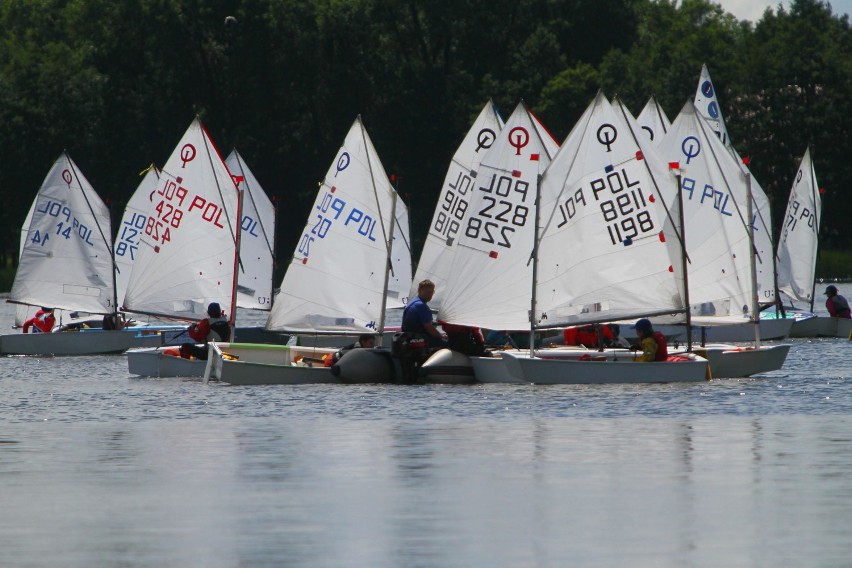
(117, 83)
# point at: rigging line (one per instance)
(367, 147)
(109, 245)
(208, 142)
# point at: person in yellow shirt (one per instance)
(653, 343)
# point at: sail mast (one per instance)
(535, 262)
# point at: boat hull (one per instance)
(258, 364)
(78, 342)
(822, 326)
(610, 369)
(446, 366)
(156, 363)
(731, 361)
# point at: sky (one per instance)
(753, 9)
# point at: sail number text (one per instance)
(332, 210)
(67, 225)
(175, 201)
(621, 201)
(502, 210)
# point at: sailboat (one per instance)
(339, 278)
(797, 253)
(188, 254)
(707, 105)
(717, 213)
(66, 263)
(606, 250)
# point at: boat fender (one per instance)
(364, 366)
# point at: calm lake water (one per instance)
(100, 468)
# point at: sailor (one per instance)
(213, 328)
(417, 317)
(42, 322)
(836, 304)
(653, 343)
(365, 340)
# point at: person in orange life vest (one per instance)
(213, 328)
(653, 343)
(42, 322)
(587, 335)
(836, 304)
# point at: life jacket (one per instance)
(586, 335)
(662, 347)
(219, 329)
(41, 322)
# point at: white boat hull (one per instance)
(492, 370)
(258, 364)
(157, 363)
(78, 342)
(822, 326)
(731, 361)
(611, 369)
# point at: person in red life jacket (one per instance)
(42, 322)
(653, 343)
(587, 335)
(213, 328)
(836, 304)
(464, 339)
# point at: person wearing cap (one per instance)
(836, 304)
(213, 328)
(42, 322)
(653, 343)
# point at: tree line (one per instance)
(117, 83)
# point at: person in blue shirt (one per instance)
(417, 317)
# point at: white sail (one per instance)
(707, 103)
(653, 121)
(797, 247)
(451, 212)
(132, 228)
(491, 276)
(335, 281)
(714, 207)
(187, 254)
(607, 248)
(708, 106)
(257, 238)
(23, 312)
(66, 261)
(399, 279)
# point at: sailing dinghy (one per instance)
(719, 237)
(66, 263)
(339, 279)
(187, 256)
(707, 105)
(797, 254)
(607, 250)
